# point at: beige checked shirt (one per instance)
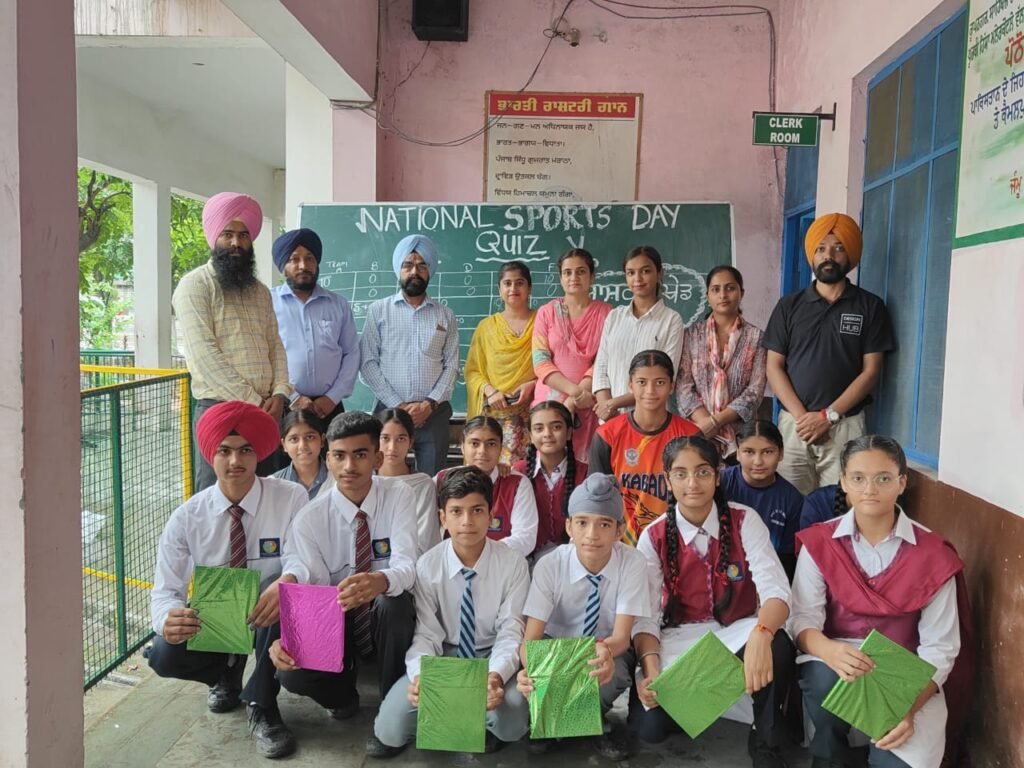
(232, 347)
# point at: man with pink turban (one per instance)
(227, 320)
(241, 521)
(825, 347)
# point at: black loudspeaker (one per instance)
(441, 20)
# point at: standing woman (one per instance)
(499, 367)
(645, 323)
(722, 373)
(566, 337)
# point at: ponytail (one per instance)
(724, 551)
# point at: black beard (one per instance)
(305, 285)
(414, 286)
(235, 267)
(829, 276)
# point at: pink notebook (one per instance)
(313, 626)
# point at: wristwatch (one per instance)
(433, 403)
(832, 415)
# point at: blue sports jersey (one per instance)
(778, 505)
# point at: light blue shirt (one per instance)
(410, 353)
(320, 340)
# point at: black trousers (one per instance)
(656, 725)
(177, 661)
(204, 474)
(392, 623)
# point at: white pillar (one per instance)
(308, 145)
(41, 599)
(151, 217)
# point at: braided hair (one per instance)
(670, 562)
(533, 460)
(841, 505)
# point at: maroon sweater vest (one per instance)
(501, 505)
(550, 504)
(890, 602)
(699, 585)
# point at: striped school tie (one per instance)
(361, 615)
(593, 606)
(467, 618)
(238, 557)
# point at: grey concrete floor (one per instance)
(149, 722)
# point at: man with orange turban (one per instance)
(825, 347)
(227, 319)
(240, 522)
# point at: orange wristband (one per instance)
(764, 628)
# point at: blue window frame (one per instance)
(913, 137)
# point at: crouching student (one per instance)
(874, 568)
(713, 568)
(362, 537)
(594, 586)
(469, 603)
(242, 521)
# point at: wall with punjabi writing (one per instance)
(474, 240)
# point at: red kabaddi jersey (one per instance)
(621, 449)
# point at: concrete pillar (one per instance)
(309, 145)
(263, 246)
(151, 218)
(41, 600)
(355, 156)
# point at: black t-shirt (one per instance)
(825, 344)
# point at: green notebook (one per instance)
(700, 685)
(875, 703)
(224, 598)
(566, 700)
(452, 715)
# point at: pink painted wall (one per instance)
(348, 35)
(700, 80)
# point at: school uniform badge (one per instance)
(734, 571)
(381, 549)
(632, 456)
(496, 523)
(270, 547)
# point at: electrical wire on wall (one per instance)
(624, 9)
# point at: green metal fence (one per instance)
(136, 456)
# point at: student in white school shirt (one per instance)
(376, 594)
(233, 437)
(497, 582)
(594, 566)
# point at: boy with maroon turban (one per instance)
(240, 522)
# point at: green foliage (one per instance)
(188, 242)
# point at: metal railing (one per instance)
(136, 459)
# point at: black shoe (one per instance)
(492, 744)
(346, 712)
(378, 749)
(613, 745)
(764, 756)
(273, 739)
(224, 696)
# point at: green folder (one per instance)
(452, 715)
(700, 685)
(875, 703)
(566, 700)
(224, 598)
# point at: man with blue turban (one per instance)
(410, 352)
(316, 327)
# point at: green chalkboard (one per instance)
(475, 239)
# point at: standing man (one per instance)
(316, 326)
(410, 352)
(232, 348)
(825, 347)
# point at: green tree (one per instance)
(188, 241)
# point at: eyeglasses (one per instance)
(881, 481)
(415, 266)
(701, 475)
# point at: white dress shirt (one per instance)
(522, 535)
(938, 628)
(625, 335)
(763, 566)
(199, 533)
(556, 474)
(428, 523)
(499, 591)
(322, 544)
(558, 594)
